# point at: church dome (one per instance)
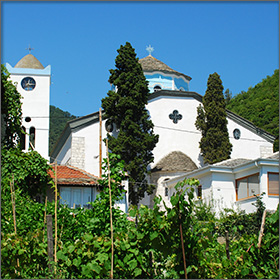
(175, 161)
(29, 61)
(162, 77)
(151, 64)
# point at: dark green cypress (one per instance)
(125, 107)
(212, 122)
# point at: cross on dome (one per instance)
(29, 48)
(150, 49)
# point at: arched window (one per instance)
(32, 137)
(23, 139)
(157, 88)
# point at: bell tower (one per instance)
(33, 83)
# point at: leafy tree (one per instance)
(211, 121)
(11, 112)
(228, 96)
(260, 105)
(125, 107)
(28, 170)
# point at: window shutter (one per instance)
(273, 183)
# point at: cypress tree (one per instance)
(125, 107)
(212, 122)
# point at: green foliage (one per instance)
(148, 249)
(125, 107)
(29, 170)
(11, 112)
(228, 96)
(58, 120)
(212, 122)
(260, 105)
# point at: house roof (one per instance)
(151, 64)
(70, 175)
(229, 166)
(232, 162)
(29, 61)
(175, 161)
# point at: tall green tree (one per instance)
(125, 107)
(228, 96)
(212, 122)
(11, 112)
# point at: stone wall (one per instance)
(78, 152)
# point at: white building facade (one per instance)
(233, 183)
(33, 83)
(173, 111)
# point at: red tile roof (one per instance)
(70, 175)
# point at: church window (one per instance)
(247, 187)
(236, 134)
(32, 137)
(28, 119)
(157, 88)
(23, 138)
(175, 116)
(273, 183)
(166, 190)
(109, 126)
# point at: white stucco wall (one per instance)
(182, 136)
(92, 140)
(36, 105)
(250, 145)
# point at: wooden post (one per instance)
(45, 214)
(262, 229)
(100, 143)
(13, 200)
(111, 216)
(50, 240)
(227, 245)
(182, 243)
(55, 215)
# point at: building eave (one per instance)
(175, 93)
(201, 172)
(250, 126)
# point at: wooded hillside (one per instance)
(58, 119)
(260, 105)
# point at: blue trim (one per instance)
(42, 72)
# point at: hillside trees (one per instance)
(125, 107)
(58, 119)
(212, 123)
(260, 105)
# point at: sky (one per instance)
(238, 40)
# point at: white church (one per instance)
(252, 169)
